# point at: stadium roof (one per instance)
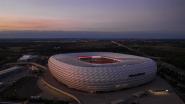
(124, 59)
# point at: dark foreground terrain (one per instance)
(169, 54)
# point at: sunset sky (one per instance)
(93, 15)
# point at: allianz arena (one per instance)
(101, 71)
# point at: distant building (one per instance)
(27, 57)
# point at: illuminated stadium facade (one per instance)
(101, 71)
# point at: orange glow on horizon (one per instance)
(17, 23)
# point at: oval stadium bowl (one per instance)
(101, 71)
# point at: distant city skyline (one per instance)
(93, 15)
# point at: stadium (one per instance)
(101, 71)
